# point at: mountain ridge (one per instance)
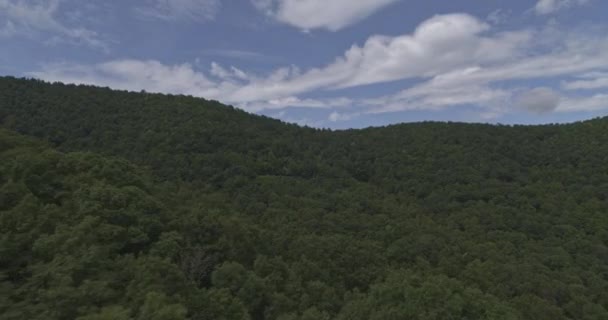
(216, 102)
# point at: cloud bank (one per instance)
(453, 60)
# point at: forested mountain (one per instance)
(119, 205)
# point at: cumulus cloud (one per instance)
(481, 85)
(539, 100)
(39, 17)
(440, 44)
(453, 60)
(320, 14)
(181, 10)
(544, 7)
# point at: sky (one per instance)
(328, 63)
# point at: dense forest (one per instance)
(123, 205)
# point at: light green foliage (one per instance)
(406, 295)
(157, 307)
(109, 313)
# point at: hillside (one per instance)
(119, 205)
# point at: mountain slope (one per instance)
(418, 220)
(79, 233)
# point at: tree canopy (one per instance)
(122, 205)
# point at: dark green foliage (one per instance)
(74, 235)
(146, 206)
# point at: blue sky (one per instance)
(328, 63)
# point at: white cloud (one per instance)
(220, 72)
(338, 117)
(588, 81)
(591, 103)
(499, 16)
(455, 60)
(223, 83)
(481, 85)
(539, 100)
(181, 10)
(438, 94)
(38, 17)
(332, 15)
(544, 7)
(134, 75)
(295, 102)
(439, 45)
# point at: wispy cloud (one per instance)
(585, 103)
(39, 18)
(8, 29)
(295, 102)
(238, 54)
(180, 10)
(588, 81)
(454, 60)
(544, 7)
